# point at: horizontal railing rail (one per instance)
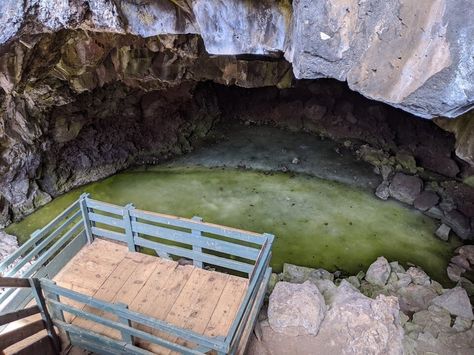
(53, 292)
(43, 255)
(51, 247)
(171, 236)
(37, 236)
(32, 327)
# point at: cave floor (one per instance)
(267, 148)
(318, 221)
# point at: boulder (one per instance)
(378, 272)
(454, 272)
(383, 191)
(356, 324)
(405, 188)
(299, 274)
(418, 276)
(296, 309)
(461, 261)
(415, 298)
(443, 232)
(426, 200)
(459, 223)
(455, 301)
(468, 252)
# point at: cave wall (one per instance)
(88, 88)
(78, 106)
(416, 55)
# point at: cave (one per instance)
(350, 163)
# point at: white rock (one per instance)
(379, 272)
(296, 309)
(362, 325)
(456, 302)
(418, 276)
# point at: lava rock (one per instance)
(454, 272)
(415, 298)
(405, 188)
(296, 309)
(459, 223)
(455, 301)
(426, 200)
(418, 276)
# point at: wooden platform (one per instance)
(189, 297)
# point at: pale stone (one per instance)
(414, 298)
(456, 302)
(362, 325)
(296, 309)
(418, 276)
(443, 232)
(378, 272)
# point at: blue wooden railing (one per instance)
(169, 237)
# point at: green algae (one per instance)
(317, 223)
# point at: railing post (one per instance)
(127, 221)
(40, 302)
(196, 248)
(85, 216)
(126, 336)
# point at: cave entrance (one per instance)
(300, 163)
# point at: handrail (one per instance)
(36, 236)
(207, 243)
(51, 288)
(14, 336)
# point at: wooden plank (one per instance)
(85, 338)
(227, 307)
(161, 270)
(75, 230)
(111, 221)
(104, 233)
(105, 341)
(233, 233)
(14, 336)
(104, 206)
(37, 344)
(91, 266)
(35, 237)
(20, 314)
(166, 296)
(136, 282)
(128, 227)
(258, 275)
(196, 240)
(111, 286)
(50, 288)
(196, 303)
(65, 255)
(243, 339)
(187, 253)
(14, 282)
(41, 303)
(44, 243)
(89, 269)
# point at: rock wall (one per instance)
(414, 55)
(416, 159)
(78, 106)
(91, 87)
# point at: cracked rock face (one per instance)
(91, 87)
(418, 56)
